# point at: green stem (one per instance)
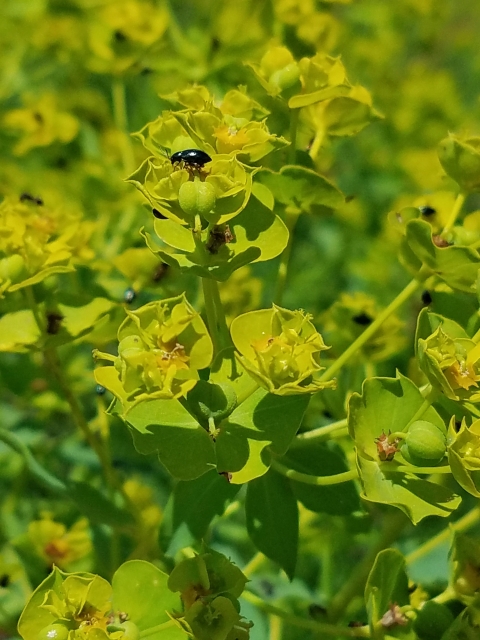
(121, 122)
(446, 596)
(319, 627)
(275, 623)
(393, 524)
(224, 331)
(363, 338)
(120, 118)
(292, 149)
(321, 433)
(386, 468)
(467, 521)
(40, 474)
(210, 311)
(319, 481)
(290, 221)
(457, 207)
(159, 627)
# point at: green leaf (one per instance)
(389, 404)
(18, 330)
(34, 617)
(463, 455)
(194, 504)
(272, 519)
(140, 590)
(175, 235)
(96, 506)
(319, 459)
(387, 584)
(345, 116)
(428, 322)
(302, 189)
(326, 93)
(457, 266)
(263, 420)
(258, 235)
(164, 426)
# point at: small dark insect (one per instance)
(54, 321)
(119, 36)
(362, 318)
(129, 295)
(160, 272)
(4, 580)
(27, 197)
(426, 298)
(38, 117)
(427, 211)
(158, 215)
(218, 237)
(100, 390)
(192, 159)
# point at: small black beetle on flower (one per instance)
(191, 158)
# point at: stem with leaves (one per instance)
(370, 331)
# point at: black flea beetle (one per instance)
(191, 158)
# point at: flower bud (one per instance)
(461, 161)
(286, 77)
(197, 197)
(425, 444)
(12, 268)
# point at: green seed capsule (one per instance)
(12, 268)
(286, 77)
(432, 621)
(130, 630)
(197, 197)
(130, 342)
(53, 632)
(425, 444)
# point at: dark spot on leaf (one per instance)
(4, 580)
(316, 611)
(38, 117)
